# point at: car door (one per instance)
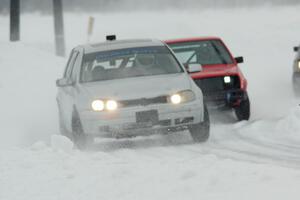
(65, 94)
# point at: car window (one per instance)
(125, 63)
(209, 52)
(70, 64)
(186, 55)
(76, 66)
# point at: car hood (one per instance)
(216, 70)
(137, 87)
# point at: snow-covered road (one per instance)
(259, 159)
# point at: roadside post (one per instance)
(59, 27)
(14, 20)
(90, 28)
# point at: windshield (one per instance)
(210, 52)
(125, 63)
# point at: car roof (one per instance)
(192, 39)
(120, 44)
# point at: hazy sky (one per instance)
(107, 5)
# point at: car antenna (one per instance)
(111, 37)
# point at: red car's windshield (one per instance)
(209, 52)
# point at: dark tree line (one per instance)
(44, 6)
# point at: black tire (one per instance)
(80, 139)
(296, 85)
(242, 112)
(200, 132)
(62, 127)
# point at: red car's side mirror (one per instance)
(239, 59)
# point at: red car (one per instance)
(221, 80)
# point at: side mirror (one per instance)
(296, 49)
(239, 59)
(63, 82)
(193, 68)
(111, 37)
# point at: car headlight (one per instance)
(98, 105)
(227, 79)
(176, 99)
(182, 97)
(111, 105)
(299, 64)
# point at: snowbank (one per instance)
(28, 106)
(156, 173)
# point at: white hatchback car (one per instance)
(127, 88)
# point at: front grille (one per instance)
(144, 101)
(217, 84)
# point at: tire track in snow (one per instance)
(249, 148)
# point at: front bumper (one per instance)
(226, 98)
(124, 122)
